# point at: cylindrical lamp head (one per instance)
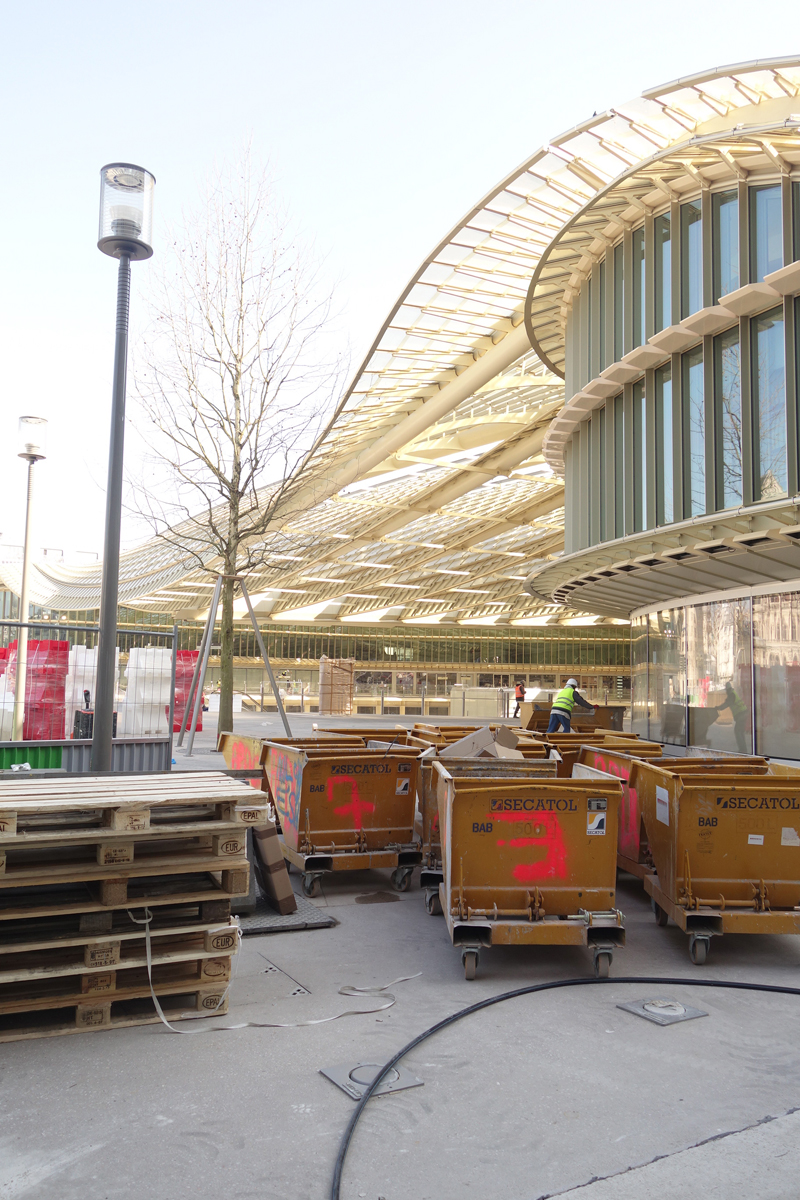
(32, 438)
(126, 211)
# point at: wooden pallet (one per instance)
(87, 900)
(95, 1014)
(61, 955)
(79, 929)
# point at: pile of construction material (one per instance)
(336, 686)
(115, 889)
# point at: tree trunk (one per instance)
(225, 722)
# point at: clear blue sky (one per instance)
(382, 122)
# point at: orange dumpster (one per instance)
(726, 850)
(344, 808)
(529, 863)
(633, 852)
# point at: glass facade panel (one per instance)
(769, 406)
(619, 468)
(766, 232)
(666, 683)
(637, 239)
(728, 405)
(640, 434)
(691, 258)
(664, 455)
(602, 321)
(602, 479)
(719, 678)
(694, 425)
(776, 654)
(725, 245)
(663, 271)
(619, 295)
(639, 722)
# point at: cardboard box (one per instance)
(484, 743)
(271, 869)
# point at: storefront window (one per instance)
(639, 716)
(691, 258)
(725, 229)
(663, 271)
(638, 287)
(769, 406)
(718, 676)
(776, 651)
(666, 683)
(694, 419)
(728, 402)
(766, 231)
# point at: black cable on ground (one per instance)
(536, 987)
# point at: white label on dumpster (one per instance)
(662, 805)
(755, 839)
(402, 787)
(789, 836)
(596, 824)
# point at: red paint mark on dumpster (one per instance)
(285, 785)
(357, 807)
(553, 863)
(243, 759)
(630, 813)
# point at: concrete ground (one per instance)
(558, 1093)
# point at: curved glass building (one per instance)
(669, 302)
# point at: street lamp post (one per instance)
(32, 438)
(126, 228)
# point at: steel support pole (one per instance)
(22, 636)
(203, 660)
(207, 633)
(267, 663)
(102, 732)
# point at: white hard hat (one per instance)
(572, 683)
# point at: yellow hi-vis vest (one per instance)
(735, 703)
(565, 700)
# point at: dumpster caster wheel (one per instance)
(401, 878)
(433, 905)
(602, 964)
(662, 917)
(470, 959)
(311, 885)
(698, 950)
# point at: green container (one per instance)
(39, 756)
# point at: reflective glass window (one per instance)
(602, 329)
(725, 242)
(796, 220)
(694, 425)
(589, 321)
(691, 258)
(639, 722)
(619, 290)
(769, 405)
(640, 432)
(602, 480)
(766, 231)
(664, 452)
(666, 677)
(728, 418)
(663, 271)
(638, 287)
(619, 468)
(776, 656)
(718, 677)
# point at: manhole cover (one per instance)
(355, 1080)
(662, 1011)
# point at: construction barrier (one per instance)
(726, 849)
(529, 863)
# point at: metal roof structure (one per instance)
(430, 501)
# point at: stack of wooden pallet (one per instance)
(82, 862)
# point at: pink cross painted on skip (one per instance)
(357, 806)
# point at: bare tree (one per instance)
(235, 383)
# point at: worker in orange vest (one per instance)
(519, 696)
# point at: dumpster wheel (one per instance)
(660, 914)
(311, 884)
(433, 905)
(338, 1169)
(401, 878)
(698, 948)
(470, 958)
(602, 963)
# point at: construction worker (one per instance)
(563, 704)
(519, 695)
(739, 711)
